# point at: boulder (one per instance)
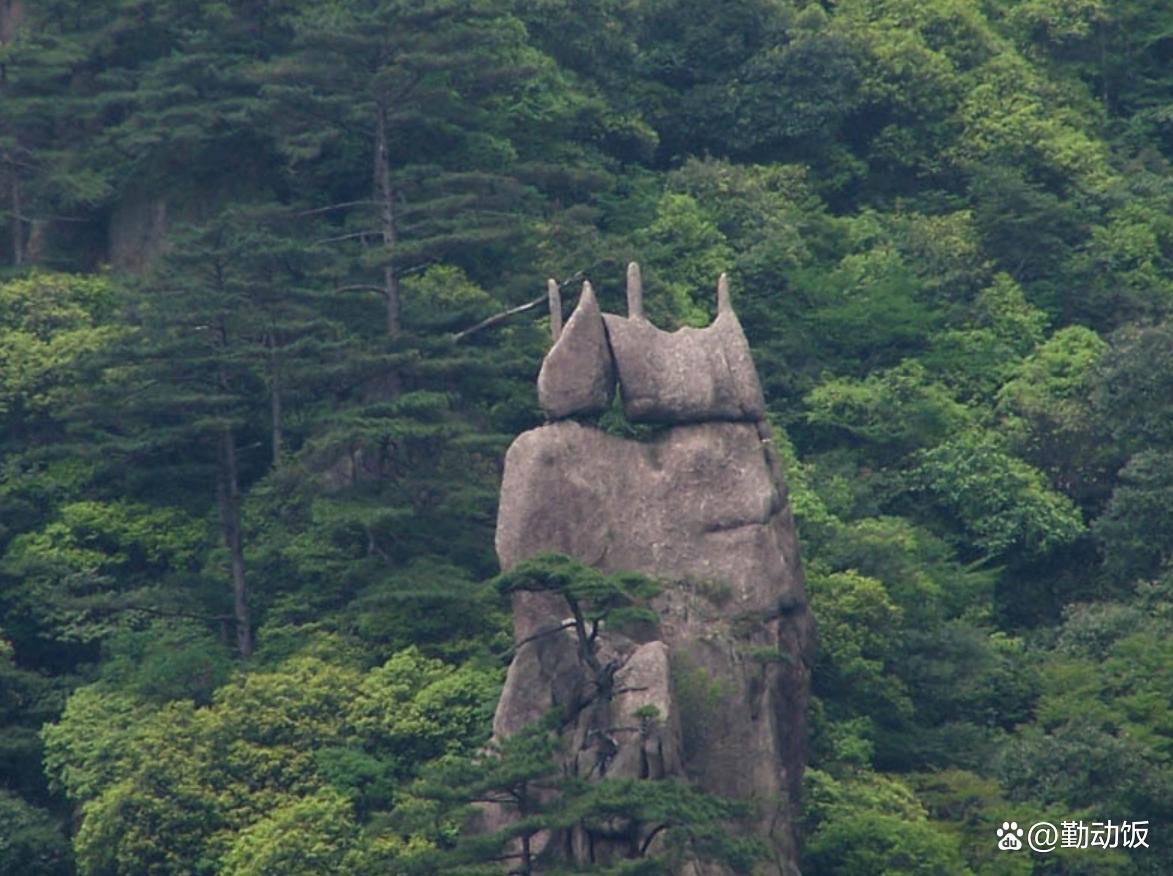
(716, 692)
(698, 503)
(577, 375)
(700, 509)
(687, 376)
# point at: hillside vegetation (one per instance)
(251, 424)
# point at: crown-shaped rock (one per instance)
(689, 375)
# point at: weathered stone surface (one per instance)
(687, 376)
(703, 508)
(577, 375)
(648, 746)
(547, 675)
(697, 504)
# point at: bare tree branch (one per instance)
(359, 287)
(568, 625)
(329, 208)
(498, 317)
(351, 236)
(651, 836)
(513, 311)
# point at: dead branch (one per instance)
(513, 311)
(496, 318)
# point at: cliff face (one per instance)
(702, 508)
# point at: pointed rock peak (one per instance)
(578, 376)
(723, 303)
(635, 292)
(555, 296)
(587, 302)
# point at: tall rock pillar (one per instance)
(702, 508)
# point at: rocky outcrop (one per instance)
(702, 508)
(687, 376)
(578, 376)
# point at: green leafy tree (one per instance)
(898, 409)
(1002, 329)
(31, 843)
(1133, 530)
(163, 788)
(872, 824)
(1048, 407)
(1003, 503)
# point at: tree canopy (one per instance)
(268, 323)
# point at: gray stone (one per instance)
(703, 509)
(577, 375)
(649, 745)
(699, 503)
(687, 376)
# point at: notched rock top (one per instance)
(703, 508)
(687, 376)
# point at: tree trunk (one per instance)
(385, 198)
(11, 17)
(228, 494)
(275, 399)
(17, 220)
(229, 497)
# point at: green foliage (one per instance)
(311, 835)
(31, 842)
(86, 568)
(685, 251)
(1002, 502)
(974, 808)
(698, 698)
(168, 660)
(873, 824)
(1134, 529)
(1050, 412)
(235, 782)
(1135, 381)
(49, 325)
(592, 596)
(241, 242)
(520, 779)
(855, 617)
(917, 568)
(867, 307)
(982, 357)
(899, 409)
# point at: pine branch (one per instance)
(161, 612)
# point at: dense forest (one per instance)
(254, 399)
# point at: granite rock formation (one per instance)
(703, 509)
(578, 376)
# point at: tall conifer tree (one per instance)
(409, 85)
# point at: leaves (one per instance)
(947, 231)
(1002, 502)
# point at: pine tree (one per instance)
(225, 337)
(515, 798)
(45, 124)
(411, 86)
